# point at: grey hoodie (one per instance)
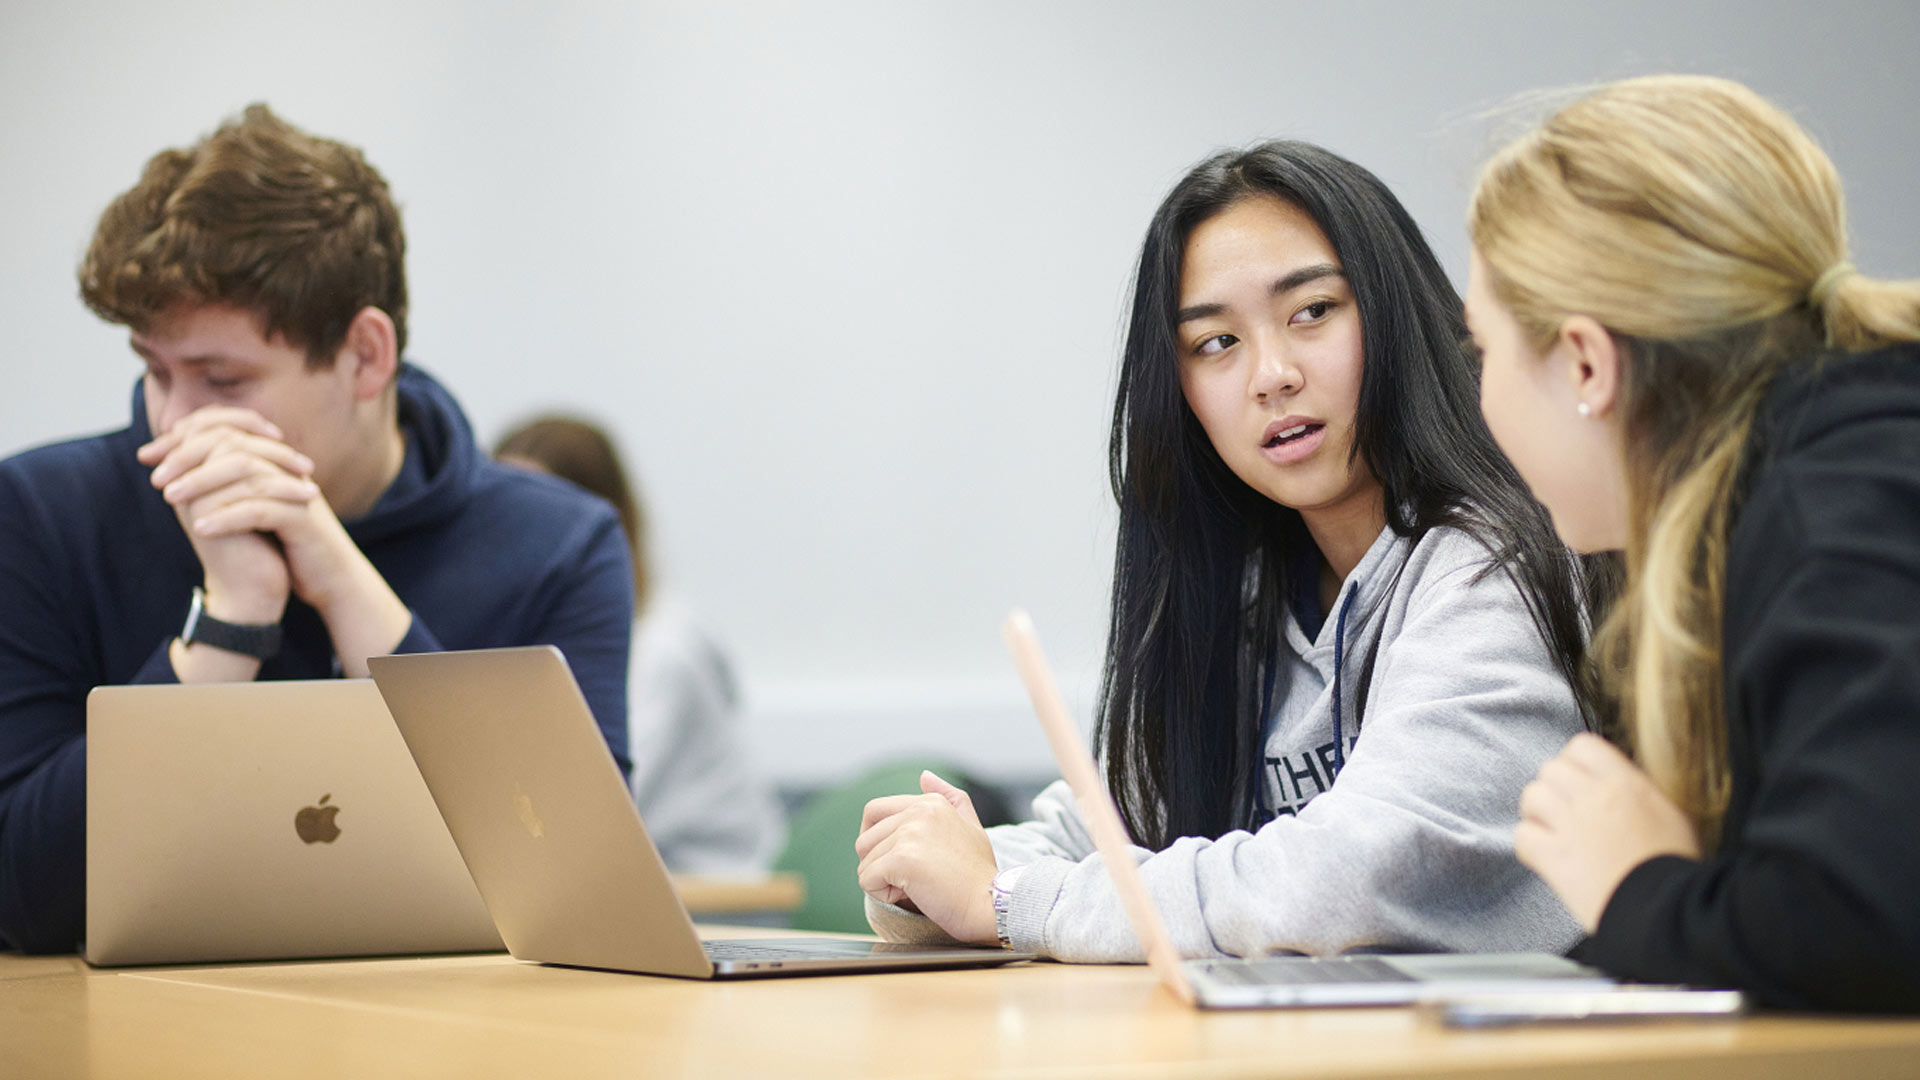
(1411, 849)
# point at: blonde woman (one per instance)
(1682, 364)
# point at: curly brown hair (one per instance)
(258, 215)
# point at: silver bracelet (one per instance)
(1001, 890)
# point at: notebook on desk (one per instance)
(264, 821)
(1269, 982)
(512, 755)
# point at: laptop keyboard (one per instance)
(1300, 970)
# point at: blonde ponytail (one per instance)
(1861, 313)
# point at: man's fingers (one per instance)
(281, 488)
(250, 515)
(223, 441)
(241, 474)
(198, 448)
(199, 420)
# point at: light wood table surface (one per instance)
(492, 1016)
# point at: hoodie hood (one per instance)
(441, 466)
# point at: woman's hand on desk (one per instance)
(930, 852)
(1589, 818)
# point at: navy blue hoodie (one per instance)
(96, 577)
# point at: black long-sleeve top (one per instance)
(1812, 898)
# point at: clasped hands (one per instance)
(929, 853)
(263, 531)
(1589, 818)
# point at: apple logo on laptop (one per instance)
(315, 823)
(523, 806)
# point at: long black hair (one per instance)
(1202, 563)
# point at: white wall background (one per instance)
(844, 278)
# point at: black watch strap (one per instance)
(259, 642)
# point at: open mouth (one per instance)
(1292, 434)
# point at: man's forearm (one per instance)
(365, 618)
(202, 663)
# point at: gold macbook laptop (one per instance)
(539, 810)
(259, 821)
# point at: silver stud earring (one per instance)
(1585, 409)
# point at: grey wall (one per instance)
(844, 278)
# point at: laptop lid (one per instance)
(266, 820)
(511, 753)
(539, 810)
(1096, 805)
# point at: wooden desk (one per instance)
(486, 1016)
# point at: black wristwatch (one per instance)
(259, 642)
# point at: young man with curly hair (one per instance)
(289, 498)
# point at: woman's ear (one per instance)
(372, 347)
(1591, 361)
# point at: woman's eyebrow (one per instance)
(1281, 287)
(1303, 275)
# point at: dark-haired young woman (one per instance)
(1343, 635)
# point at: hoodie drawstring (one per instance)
(1339, 659)
(1259, 813)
